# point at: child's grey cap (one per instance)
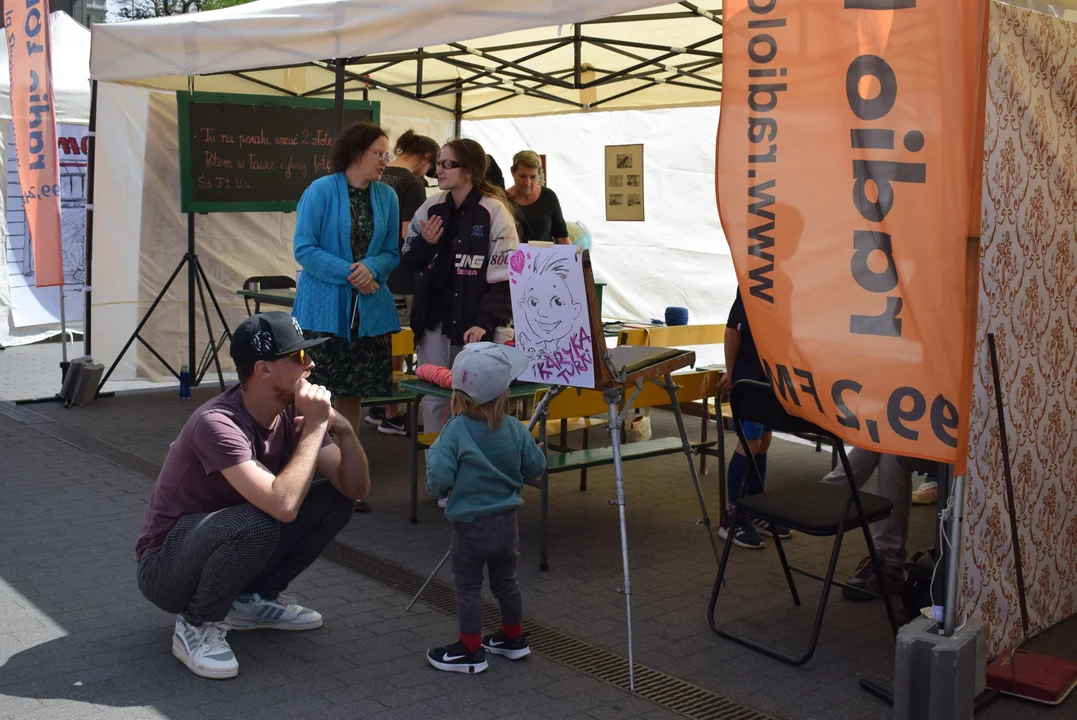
(485, 370)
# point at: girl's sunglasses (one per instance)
(448, 164)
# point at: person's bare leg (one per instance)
(352, 410)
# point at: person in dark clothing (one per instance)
(742, 363)
(538, 205)
(415, 156)
(459, 240)
(493, 172)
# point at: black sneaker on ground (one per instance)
(375, 416)
(456, 658)
(514, 649)
(865, 578)
(394, 426)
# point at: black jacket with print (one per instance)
(480, 234)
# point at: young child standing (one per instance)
(483, 456)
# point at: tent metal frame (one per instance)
(512, 77)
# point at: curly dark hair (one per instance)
(352, 143)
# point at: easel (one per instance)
(616, 371)
(196, 278)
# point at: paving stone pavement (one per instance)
(77, 640)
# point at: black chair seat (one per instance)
(814, 508)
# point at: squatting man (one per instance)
(235, 515)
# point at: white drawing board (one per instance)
(549, 314)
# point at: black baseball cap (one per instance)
(268, 336)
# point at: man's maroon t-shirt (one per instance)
(219, 435)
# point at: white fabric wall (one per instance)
(140, 234)
(678, 255)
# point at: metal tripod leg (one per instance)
(613, 397)
(688, 452)
(436, 571)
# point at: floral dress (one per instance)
(359, 367)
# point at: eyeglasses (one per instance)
(300, 356)
(386, 156)
(448, 164)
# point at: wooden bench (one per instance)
(683, 336)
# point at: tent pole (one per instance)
(577, 44)
(190, 295)
(458, 113)
(91, 143)
(338, 95)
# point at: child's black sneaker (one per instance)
(456, 658)
(514, 649)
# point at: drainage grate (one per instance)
(80, 440)
(683, 697)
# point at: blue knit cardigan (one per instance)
(322, 246)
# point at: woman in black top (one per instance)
(415, 158)
(538, 206)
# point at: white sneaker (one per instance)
(252, 612)
(443, 502)
(204, 649)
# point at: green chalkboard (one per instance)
(255, 153)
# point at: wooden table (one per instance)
(421, 388)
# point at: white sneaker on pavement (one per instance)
(251, 611)
(204, 649)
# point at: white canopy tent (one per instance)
(71, 83)
(417, 58)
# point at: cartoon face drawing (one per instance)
(547, 304)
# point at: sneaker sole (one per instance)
(272, 625)
(470, 669)
(722, 533)
(209, 673)
(510, 654)
(386, 431)
(372, 421)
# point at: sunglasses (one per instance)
(448, 164)
(300, 356)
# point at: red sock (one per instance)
(512, 631)
(471, 642)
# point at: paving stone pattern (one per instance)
(77, 639)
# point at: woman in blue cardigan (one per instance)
(346, 233)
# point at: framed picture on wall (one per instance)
(624, 171)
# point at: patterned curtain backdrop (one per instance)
(1028, 298)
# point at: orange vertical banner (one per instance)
(34, 116)
(848, 180)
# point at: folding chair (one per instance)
(267, 282)
(813, 508)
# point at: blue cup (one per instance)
(676, 316)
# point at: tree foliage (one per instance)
(142, 9)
